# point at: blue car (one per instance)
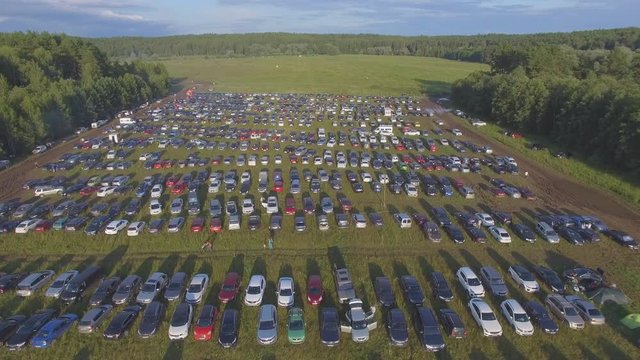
(53, 330)
(447, 190)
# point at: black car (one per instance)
(115, 209)
(133, 207)
(96, 225)
(384, 292)
(550, 277)
(454, 233)
(440, 286)
(412, 290)
(228, 336)
(476, 234)
(9, 226)
(122, 322)
(571, 235)
(430, 229)
(151, 319)
(588, 235)
(428, 329)
(29, 328)
(623, 239)
(585, 279)
(502, 217)
(9, 326)
(441, 217)
(254, 222)
(452, 324)
(105, 291)
(397, 327)
(539, 315)
(329, 326)
(10, 281)
(523, 232)
(75, 224)
(156, 226)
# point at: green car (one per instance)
(59, 223)
(295, 326)
(403, 167)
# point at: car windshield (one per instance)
(398, 325)
(253, 290)
(174, 286)
(195, 288)
(358, 325)
(473, 281)
(488, 316)
(285, 292)
(85, 322)
(570, 311)
(180, 318)
(58, 284)
(266, 325)
(431, 330)
(296, 324)
(527, 276)
(228, 287)
(594, 312)
(205, 320)
(73, 287)
(521, 317)
(124, 289)
(149, 288)
(315, 291)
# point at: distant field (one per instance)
(346, 74)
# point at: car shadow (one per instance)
(59, 264)
(553, 352)
(174, 351)
(559, 262)
(508, 350)
(144, 270)
(169, 264)
(189, 265)
(108, 263)
(83, 354)
(470, 259)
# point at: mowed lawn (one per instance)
(344, 74)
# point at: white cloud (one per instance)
(536, 5)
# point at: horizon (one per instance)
(144, 18)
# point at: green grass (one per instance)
(345, 74)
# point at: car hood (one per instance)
(549, 325)
(227, 339)
(433, 340)
(148, 327)
(120, 297)
(178, 330)
(399, 335)
(499, 289)
(330, 335)
(267, 335)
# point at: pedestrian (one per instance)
(37, 165)
(207, 246)
(270, 243)
(526, 174)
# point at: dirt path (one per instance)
(555, 190)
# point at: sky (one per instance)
(106, 18)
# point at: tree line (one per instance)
(476, 48)
(586, 100)
(52, 84)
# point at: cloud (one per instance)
(536, 5)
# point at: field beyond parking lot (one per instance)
(344, 74)
(370, 252)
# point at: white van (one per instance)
(403, 220)
(386, 130)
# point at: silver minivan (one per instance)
(546, 231)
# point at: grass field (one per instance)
(346, 74)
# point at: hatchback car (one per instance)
(296, 329)
(267, 325)
(452, 324)
(181, 322)
(412, 290)
(384, 291)
(197, 287)
(329, 326)
(255, 290)
(151, 319)
(121, 322)
(229, 327)
(397, 327)
(523, 278)
(230, 287)
(314, 290)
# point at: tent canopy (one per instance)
(632, 321)
(604, 294)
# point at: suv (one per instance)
(470, 282)
(344, 285)
(546, 231)
(565, 311)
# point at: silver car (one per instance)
(93, 318)
(127, 289)
(152, 287)
(60, 283)
(564, 311)
(587, 310)
(267, 325)
(176, 287)
(493, 281)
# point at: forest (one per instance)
(476, 48)
(586, 100)
(53, 84)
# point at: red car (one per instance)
(197, 225)
(216, 225)
(399, 147)
(458, 183)
(205, 323)
(345, 203)
(277, 186)
(314, 290)
(420, 219)
(216, 160)
(407, 159)
(289, 205)
(89, 190)
(171, 181)
(158, 165)
(168, 164)
(230, 287)
(43, 225)
(179, 188)
(497, 192)
(293, 159)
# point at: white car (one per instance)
(181, 322)
(456, 132)
(285, 292)
(105, 191)
(411, 190)
(359, 220)
(383, 178)
(255, 290)
(247, 206)
(517, 317)
(272, 205)
(39, 149)
(176, 206)
(156, 191)
(116, 226)
(485, 219)
(41, 191)
(246, 176)
(60, 283)
(470, 282)
(26, 225)
(524, 278)
(155, 207)
(196, 289)
(484, 317)
(136, 228)
(214, 186)
(278, 159)
(366, 177)
(500, 234)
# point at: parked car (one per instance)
(452, 324)
(440, 287)
(152, 287)
(485, 317)
(255, 290)
(93, 318)
(180, 323)
(550, 278)
(500, 234)
(428, 329)
(267, 325)
(196, 289)
(565, 311)
(285, 291)
(517, 317)
(9, 282)
(523, 232)
(412, 290)
(9, 326)
(589, 312)
(384, 291)
(523, 278)
(230, 287)
(105, 290)
(492, 279)
(151, 319)
(539, 315)
(53, 330)
(229, 327)
(470, 282)
(127, 289)
(344, 286)
(397, 327)
(315, 290)
(29, 328)
(296, 330)
(121, 322)
(176, 286)
(60, 283)
(34, 281)
(359, 322)
(623, 239)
